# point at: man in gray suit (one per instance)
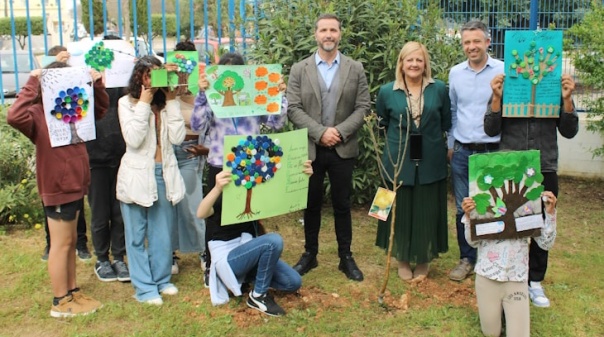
(328, 95)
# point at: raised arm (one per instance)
(492, 117)
(206, 207)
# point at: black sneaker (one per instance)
(45, 255)
(121, 270)
(104, 272)
(174, 269)
(206, 278)
(83, 253)
(266, 304)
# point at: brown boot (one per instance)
(404, 271)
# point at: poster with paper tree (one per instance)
(68, 101)
(506, 187)
(249, 90)
(114, 59)
(267, 175)
(187, 75)
(533, 72)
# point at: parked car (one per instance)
(143, 48)
(23, 66)
(215, 49)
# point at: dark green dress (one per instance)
(421, 203)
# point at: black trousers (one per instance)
(106, 225)
(339, 172)
(81, 229)
(538, 257)
(211, 181)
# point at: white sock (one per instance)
(534, 284)
(255, 294)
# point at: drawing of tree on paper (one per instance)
(68, 102)
(254, 161)
(244, 90)
(532, 84)
(506, 186)
(228, 84)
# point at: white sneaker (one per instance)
(154, 301)
(537, 296)
(169, 290)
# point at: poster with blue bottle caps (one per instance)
(533, 70)
(68, 100)
(267, 175)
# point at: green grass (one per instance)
(328, 304)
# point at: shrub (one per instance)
(19, 200)
(588, 58)
(373, 32)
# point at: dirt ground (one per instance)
(435, 291)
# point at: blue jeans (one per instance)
(459, 175)
(260, 258)
(188, 233)
(148, 242)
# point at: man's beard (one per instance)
(329, 49)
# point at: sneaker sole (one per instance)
(258, 309)
(461, 279)
(57, 314)
(123, 279)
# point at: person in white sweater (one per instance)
(149, 183)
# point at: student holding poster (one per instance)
(63, 176)
(242, 253)
(535, 134)
(501, 273)
(149, 183)
(206, 123)
(188, 231)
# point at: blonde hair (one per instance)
(408, 48)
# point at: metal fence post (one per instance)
(534, 15)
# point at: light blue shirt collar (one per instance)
(327, 71)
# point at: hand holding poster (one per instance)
(268, 177)
(506, 187)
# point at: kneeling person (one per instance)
(240, 255)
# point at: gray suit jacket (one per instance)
(304, 97)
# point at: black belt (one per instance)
(480, 146)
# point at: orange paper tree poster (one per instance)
(251, 90)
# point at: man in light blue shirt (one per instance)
(469, 90)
